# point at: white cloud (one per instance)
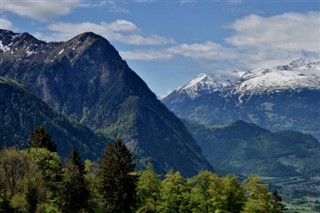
(198, 51)
(267, 41)
(40, 9)
(256, 42)
(5, 24)
(207, 50)
(288, 31)
(147, 55)
(121, 30)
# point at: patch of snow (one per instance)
(30, 52)
(4, 48)
(61, 51)
(300, 74)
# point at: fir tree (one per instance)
(75, 193)
(41, 139)
(118, 181)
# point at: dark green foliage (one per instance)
(246, 149)
(75, 192)
(31, 197)
(41, 139)
(118, 180)
(276, 203)
(6, 207)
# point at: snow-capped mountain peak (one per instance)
(298, 75)
(205, 84)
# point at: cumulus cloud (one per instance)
(121, 30)
(288, 31)
(256, 41)
(5, 24)
(267, 41)
(40, 9)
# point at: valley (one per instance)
(263, 122)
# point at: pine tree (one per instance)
(75, 193)
(41, 139)
(118, 181)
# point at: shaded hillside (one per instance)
(247, 149)
(21, 112)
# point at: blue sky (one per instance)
(170, 42)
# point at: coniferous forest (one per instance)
(36, 179)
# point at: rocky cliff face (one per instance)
(86, 79)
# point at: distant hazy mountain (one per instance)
(247, 149)
(21, 112)
(280, 98)
(86, 80)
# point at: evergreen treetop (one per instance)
(41, 139)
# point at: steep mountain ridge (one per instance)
(280, 98)
(86, 79)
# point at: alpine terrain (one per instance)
(284, 97)
(87, 81)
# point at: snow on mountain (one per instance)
(206, 84)
(299, 74)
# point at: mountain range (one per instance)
(285, 97)
(86, 80)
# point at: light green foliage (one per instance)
(148, 190)
(13, 169)
(21, 182)
(201, 199)
(50, 166)
(259, 196)
(174, 194)
(233, 194)
(93, 184)
(32, 181)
